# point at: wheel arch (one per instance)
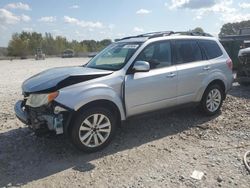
(207, 84)
(97, 103)
(217, 82)
(102, 103)
(220, 83)
(86, 96)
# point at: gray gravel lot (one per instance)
(160, 149)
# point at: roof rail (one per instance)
(149, 35)
(193, 33)
(167, 33)
(157, 34)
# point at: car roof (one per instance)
(166, 35)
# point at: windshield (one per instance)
(114, 57)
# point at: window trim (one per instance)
(130, 71)
(204, 57)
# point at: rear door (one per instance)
(146, 91)
(192, 68)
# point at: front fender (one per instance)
(75, 100)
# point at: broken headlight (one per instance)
(37, 100)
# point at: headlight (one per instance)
(37, 100)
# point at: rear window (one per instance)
(211, 48)
(187, 51)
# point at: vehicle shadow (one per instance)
(25, 157)
(240, 91)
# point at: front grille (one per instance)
(36, 116)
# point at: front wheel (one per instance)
(93, 129)
(212, 100)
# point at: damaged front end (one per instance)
(41, 113)
(39, 108)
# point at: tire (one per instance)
(213, 107)
(89, 136)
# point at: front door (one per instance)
(156, 89)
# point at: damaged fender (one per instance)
(75, 100)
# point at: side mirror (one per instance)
(141, 66)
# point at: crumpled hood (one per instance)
(57, 78)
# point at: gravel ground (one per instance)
(157, 150)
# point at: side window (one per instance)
(211, 48)
(187, 51)
(157, 54)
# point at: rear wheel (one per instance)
(212, 100)
(93, 129)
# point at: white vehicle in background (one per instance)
(39, 54)
(68, 53)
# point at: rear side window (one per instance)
(211, 48)
(187, 51)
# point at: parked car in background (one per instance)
(68, 53)
(92, 54)
(39, 55)
(243, 72)
(132, 76)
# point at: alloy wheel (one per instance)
(95, 130)
(213, 100)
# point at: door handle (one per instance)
(171, 75)
(206, 68)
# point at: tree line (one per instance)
(233, 28)
(26, 43)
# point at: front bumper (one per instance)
(43, 117)
(21, 114)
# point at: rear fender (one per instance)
(212, 77)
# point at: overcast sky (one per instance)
(99, 19)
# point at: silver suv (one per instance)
(134, 75)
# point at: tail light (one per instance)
(230, 64)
